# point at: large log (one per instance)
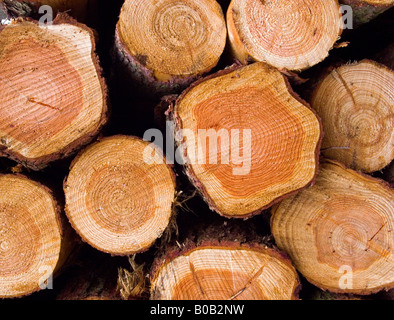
(117, 201)
(292, 35)
(53, 97)
(339, 233)
(356, 105)
(246, 139)
(165, 45)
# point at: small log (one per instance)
(54, 99)
(224, 271)
(366, 10)
(32, 242)
(165, 45)
(338, 233)
(356, 105)
(292, 35)
(115, 200)
(245, 139)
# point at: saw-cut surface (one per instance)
(173, 39)
(226, 273)
(339, 233)
(356, 105)
(264, 144)
(293, 35)
(52, 96)
(116, 201)
(30, 236)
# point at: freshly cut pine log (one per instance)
(53, 98)
(93, 276)
(356, 105)
(367, 10)
(338, 233)
(224, 271)
(31, 8)
(116, 200)
(246, 140)
(31, 236)
(165, 45)
(292, 35)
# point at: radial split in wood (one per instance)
(116, 201)
(292, 35)
(30, 236)
(52, 96)
(246, 140)
(166, 44)
(356, 105)
(339, 233)
(226, 272)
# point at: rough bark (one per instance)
(338, 233)
(275, 132)
(219, 265)
(54, 99)
(78, 9)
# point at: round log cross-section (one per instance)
(52, 96)
(247, 141)
(292, 35)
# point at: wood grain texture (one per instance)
(30, 236)
(356, 105)
(280, 154)
(117, 202)
(226, 272)
(344, 223)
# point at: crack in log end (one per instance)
(380, 229)
(42, 104)
(195, 278)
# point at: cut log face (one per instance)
(293, 35)
(226, 273)
(116, 201)
(26, 8)
(30, 236)
(169, 43)
(53, 99)
(356, 105)
(246, 140)
(338, 233)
